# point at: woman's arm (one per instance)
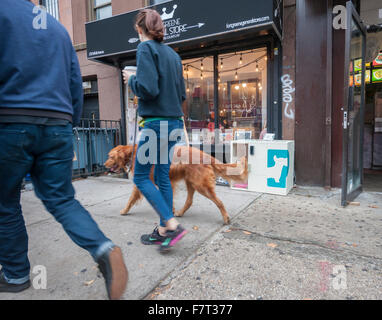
(145, 83)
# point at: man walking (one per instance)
(41, 98)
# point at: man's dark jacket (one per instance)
(39, 69)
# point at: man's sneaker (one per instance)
(114, 271)
(172, 237)
(10, 287)
(153, 238)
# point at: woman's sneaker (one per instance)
(172, 238)
(153, 238)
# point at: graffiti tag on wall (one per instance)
(288, 89)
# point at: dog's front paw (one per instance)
(124, 212)
(227, 221)
(179, 214)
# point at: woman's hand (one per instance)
(126, 75)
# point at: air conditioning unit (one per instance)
(86, 85)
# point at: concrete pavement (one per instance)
(303, 246)
(71, 272)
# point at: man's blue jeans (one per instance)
(46, 152)
(155, 147)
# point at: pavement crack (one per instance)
(106, 200)
(306, 242)
(39, 222)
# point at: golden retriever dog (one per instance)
(197, 169)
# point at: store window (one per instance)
(199, 106)
(101, 9)
(51, 7)
(242, 96)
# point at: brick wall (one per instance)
(80, 17)
(289, 70)
(121, 6)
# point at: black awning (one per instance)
(114, 39)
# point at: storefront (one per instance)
(232, 63)
(356, 143)
(373, 112)
(372, 143)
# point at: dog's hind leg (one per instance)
(188, 203)
(173, 187)
(135, 196)
(210, 194)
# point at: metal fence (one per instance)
(92, 141)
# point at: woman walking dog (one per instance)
(159, 85)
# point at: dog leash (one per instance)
(130, 164)
(185, 133)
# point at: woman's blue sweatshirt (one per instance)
(159, 83)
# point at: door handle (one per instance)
(345, 123)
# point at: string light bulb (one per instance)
(236, 76)
(241, 59)
(257, 67)
(221, 63)
(202, 66)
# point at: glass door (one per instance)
(353, 113)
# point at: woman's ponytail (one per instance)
(151, 23)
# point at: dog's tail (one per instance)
(232, 171)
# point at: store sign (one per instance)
(183, 21)
(378, 60)
(278, 168)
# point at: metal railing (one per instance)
(92, 141)
(51, 7)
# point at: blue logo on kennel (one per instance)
(277, 168)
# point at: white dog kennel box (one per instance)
(270, 165)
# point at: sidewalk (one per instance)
(71, 272)
(289, 248)
(276, 247)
